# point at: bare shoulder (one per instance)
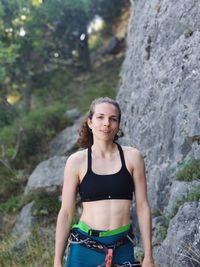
(134, 159)
(132, 152)
(77, 157)
(75, 163)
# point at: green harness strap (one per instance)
(85, 228)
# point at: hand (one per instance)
(148, 263)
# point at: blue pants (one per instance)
(80, 256)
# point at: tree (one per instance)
(37, 37)
(67, 26)
(109, 10)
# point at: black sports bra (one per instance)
(118, 185)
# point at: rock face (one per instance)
(22, 229)
(179, 189)
(160, 88)
(182, 245)
(47, 175)
(159, 95)
(65, 142)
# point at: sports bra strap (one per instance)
(121, 155)
(89, 159)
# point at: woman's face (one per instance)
(105, 121)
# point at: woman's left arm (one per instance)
(143, 208)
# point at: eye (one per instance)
(114, 119)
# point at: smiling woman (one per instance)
(85, 132)
(106, 175)
(104, 122)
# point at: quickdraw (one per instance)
(78, 238)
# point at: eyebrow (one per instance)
(115, 116)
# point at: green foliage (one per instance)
(54, 88)
(190, 171)
(13, 204)
(8, 113)
(42, 62)
(8, 57)
(39, 37)
(194, 195)
(8, 185)
(156, 212)
(38, 127)
(94, 92)
(38, 251)
(138, 253)
(46, 203)
(109, 10)
(43, 119)
(8, 136)
(101, 82)
(164, 227)
(95, 42)
(33, 33)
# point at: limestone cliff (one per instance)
(160, 94)
(160, 87)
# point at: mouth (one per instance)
(106, 132)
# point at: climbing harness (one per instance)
(78, 238)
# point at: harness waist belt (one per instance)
(85, 228)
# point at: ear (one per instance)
(89, 122)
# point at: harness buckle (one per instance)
(109, 257)
(94, 233)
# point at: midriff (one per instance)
(106, 214)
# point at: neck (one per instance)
(104, 148)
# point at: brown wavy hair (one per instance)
(85, 139)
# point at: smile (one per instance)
(106, 132)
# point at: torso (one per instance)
(106, 213)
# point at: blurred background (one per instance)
(55, 57)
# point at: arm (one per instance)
(66, 213)
(143, 208)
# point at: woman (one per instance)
(106, 175)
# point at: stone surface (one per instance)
(65, 142)
(159, 95)
(159, 92)
(73, 114)
(47, 175)
(22, 229)
(178, 190)
(182, 245)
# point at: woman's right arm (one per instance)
(66, 213)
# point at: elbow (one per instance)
(143, 207)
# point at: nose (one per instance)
(106, 122)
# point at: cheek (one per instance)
(116, 128)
